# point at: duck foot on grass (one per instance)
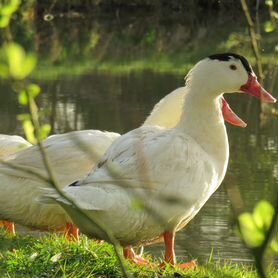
(9, 227)
(170, 257)
(71, 232)
(130, 255)
(190, 265)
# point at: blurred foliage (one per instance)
(253, 226)
(15, 63)
(270, 25)
(159, 6)
(26, 97)
(7, 9)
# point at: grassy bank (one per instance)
(52, 256)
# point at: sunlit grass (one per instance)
(111, 67)
(175, 65)
(53, 256)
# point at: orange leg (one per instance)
(71, 232)
(9, 226)
(170, 257)
(130, 255)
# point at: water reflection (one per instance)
(121, 103)
(104, 102)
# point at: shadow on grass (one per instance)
(10, 243)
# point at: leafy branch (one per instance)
(256, 229)
(16, 65)
(253, 37)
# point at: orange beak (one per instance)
(254, 88)
(230, 116)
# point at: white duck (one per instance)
(171, 173)
(10, 144)
(79, 150)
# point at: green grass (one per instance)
(47, 72)
(174, 59)
(52, 256)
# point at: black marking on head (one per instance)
(227, 57)
(76, 183)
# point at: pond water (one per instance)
(103, 100)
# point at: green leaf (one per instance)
(274, 246)
(253, 236)
(34, 90)
(4, 71)
(44, 131)
(263, 214)
(10, 8)
(269, 3)
(28, 127)
(24, 117)
(29, 64)
(4, 21)
(269, 26)
(20, 64)
(29, 131)
(6, 12)
(274, 14)
(15, 55)
(23, 98)
(246, 221)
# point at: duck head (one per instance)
(227, 72)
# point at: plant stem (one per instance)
(270, 232)
(253, 37)
(53, 181)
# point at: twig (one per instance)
(53, 182)
(269, 233)
(238, 208)
(253, 37)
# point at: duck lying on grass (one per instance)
(153, 180)
(72, 156)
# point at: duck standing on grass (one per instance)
(152, 180)
(72, 156)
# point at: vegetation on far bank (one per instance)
(70, 44)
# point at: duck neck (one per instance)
(202, 120)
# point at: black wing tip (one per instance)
(227, 56)
(76, 183)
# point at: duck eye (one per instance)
(233, 67)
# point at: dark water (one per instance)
(121, 102)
